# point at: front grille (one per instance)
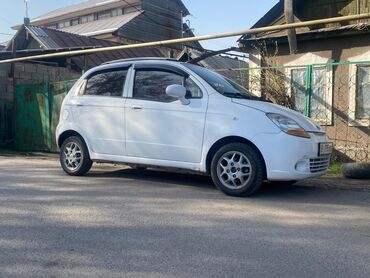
(319, 164)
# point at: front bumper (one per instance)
(292, 158)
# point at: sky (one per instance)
(207, 16)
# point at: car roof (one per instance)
(139, 59)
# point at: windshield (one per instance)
(220, 83)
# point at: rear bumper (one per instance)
(292, 158)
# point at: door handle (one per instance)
(136, 108)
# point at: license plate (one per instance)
(325, 148)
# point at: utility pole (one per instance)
(289, 18)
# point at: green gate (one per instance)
(37, 114)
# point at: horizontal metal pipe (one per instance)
(191, 39)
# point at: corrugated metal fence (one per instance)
(37, 108)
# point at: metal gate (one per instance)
(37, 114)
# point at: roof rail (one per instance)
(139, 59)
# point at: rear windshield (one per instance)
(220, 83)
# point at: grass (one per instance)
(334, 169)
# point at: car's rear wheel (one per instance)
(74, 156)
(237, 170)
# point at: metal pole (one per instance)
(308, 92)
(191, 39)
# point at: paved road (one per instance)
(122, 223)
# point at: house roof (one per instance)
(51, 39)
(2, 47)
(98, 27)
(304, 35)
(92, 6)
(275, 16)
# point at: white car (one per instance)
(163, 113)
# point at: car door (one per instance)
(161, 127)
(99, 111)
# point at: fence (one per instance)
(37, 109)
(335, 95)
(6, 123)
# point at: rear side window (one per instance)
(106, 83)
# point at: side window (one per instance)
(192, 89)
(107, 83)
(151, 85)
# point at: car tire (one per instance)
(237, 170)
(74, 156)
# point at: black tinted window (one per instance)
(152, 84)
(106, 83)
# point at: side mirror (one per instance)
(179, 92)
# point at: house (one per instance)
(33, 38)
(123, 21)
(327, 77)
(2, 47)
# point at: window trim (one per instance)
(353, 91)
(302, 63)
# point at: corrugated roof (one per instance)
(56, 39)
(98, 27)
(89, 4)
(84, 5)
(43, 38)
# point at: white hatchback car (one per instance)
(163, 113)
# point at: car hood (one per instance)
(268, 107)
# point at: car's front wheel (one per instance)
(237, 169)
(74, 157)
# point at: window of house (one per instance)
(298, 89)
(363, 93)
(74, 21)
(117, 12)
(87, 18)
(53, 26)
(320, 108)
(151, 85)
(64, 24)
(106, 83)
(104, 14)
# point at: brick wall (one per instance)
(28, 73)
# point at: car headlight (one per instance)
(288, 125)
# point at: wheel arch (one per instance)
(228, 140)
(69, 133)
